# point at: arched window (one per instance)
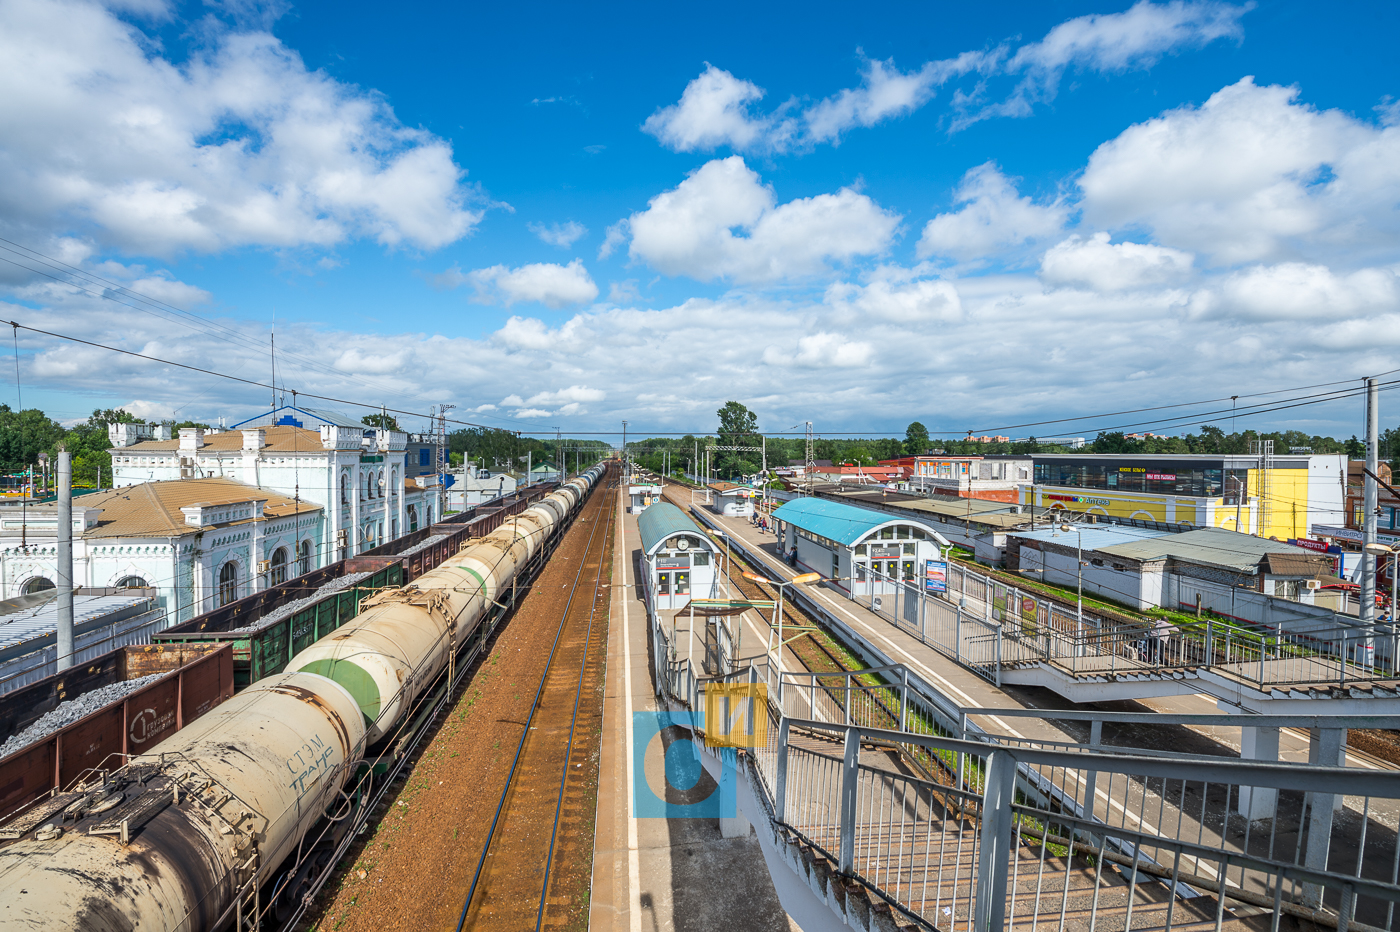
(367, 493)
(132, 582)
(304, 557)
(412, 518)
(228, 583)
(279, 566)
(38, 584)
(380, 483)
(345, 491)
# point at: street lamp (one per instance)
(1079, 561)
(1369, 646)
(799, 580)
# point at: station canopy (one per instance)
(845, 524)
(663, 522)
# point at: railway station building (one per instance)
(681, 561)
(860, 551)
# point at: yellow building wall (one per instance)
(1284, 511)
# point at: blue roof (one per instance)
(664, 520)
(845, 524)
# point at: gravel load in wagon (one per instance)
(424, 544)
(291, 608)
(66, 713)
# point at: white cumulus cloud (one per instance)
(690, 230)
(718, 109)
(547, 283)
(1103, 266)
(994, 219)
(822, 351)
(1307, 291)
(241, 144)
(914, 301)
(1248, 174)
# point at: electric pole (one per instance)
(1368, 559)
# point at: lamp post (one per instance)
(1079, 569)
(1368, 646)
(801, 579)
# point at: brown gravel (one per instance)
(415, 865)
(1377, 742)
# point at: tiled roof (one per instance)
(152, 509)
(278, 440)
(1298, 564)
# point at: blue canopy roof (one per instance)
(845, 524)
(664, 520)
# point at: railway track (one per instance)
(534, 868)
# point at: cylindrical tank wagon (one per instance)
(183, 837)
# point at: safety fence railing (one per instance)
(1140, 848)
(962, 828)
(1000, 626)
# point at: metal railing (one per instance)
(986, 850)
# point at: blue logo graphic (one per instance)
(668, 779)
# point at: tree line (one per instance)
(738, 427)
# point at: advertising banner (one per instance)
(936, 576)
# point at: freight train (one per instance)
(189, 835)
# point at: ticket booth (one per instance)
(681, 561)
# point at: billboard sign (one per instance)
(935, 576)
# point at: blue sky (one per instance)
(973, 216)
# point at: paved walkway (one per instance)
(661, 874)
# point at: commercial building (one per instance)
(361, 478)
(1269, 496)
(859, 551)
(993, 478)
(682, 562)
(199, 543)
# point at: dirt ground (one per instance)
(414, 867)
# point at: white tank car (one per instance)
(167, 842)
(180, 836)
(399, 643)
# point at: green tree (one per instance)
(24, 435)
(916, 438)
(89, 443)
(738, 427)
(386, 421)
(1356, 450)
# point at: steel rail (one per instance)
(525, 732)
(573, 722)
(406, 756)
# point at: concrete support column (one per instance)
(1261, 744)
(1325, 746)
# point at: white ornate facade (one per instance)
(200, 543)
(359, 477)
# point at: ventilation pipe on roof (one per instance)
(65, 560)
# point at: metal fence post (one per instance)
(998, 658)
(904, 700)
(1091, 777)
(957, 635)
(780, 784)
(850, 775)
(993, 862)
(849, 677)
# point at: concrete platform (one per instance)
(655, 874)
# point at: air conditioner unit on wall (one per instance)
(264, 566)
(1314, 584)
